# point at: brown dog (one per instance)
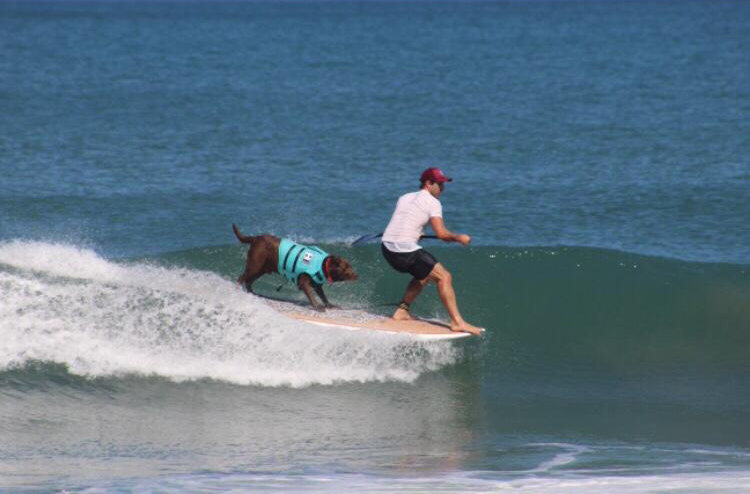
(263, 258)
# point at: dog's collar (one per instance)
(326, 271)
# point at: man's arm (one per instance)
(436, 222)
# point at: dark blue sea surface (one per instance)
(600, 156)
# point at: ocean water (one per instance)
(599, 151)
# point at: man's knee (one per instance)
(447, 278)
(440, 275)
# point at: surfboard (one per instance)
(422, 329)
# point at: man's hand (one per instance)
(446, 235)
(463, 239)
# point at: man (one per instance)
(399, 246)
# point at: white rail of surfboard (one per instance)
(420, 329)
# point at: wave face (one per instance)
(551, 310)
(180, 315)
(611, 310)
(66, 305)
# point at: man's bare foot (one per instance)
(402, 315)
(465, 327)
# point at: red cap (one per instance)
(434, 174)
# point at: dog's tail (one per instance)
(242, 238)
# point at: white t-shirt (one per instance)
(413, 212)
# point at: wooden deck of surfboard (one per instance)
(422, 329)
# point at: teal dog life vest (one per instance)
(296, 259)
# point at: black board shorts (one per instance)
(418, 263)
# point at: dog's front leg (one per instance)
(322, 295)
(306, 285)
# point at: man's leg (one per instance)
(412, 291)
(444, 281)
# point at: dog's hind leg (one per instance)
(246, 280)
(254, 268)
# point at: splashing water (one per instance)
(98, 317)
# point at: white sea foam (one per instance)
(475, 482)
(569, 453)
(69, 305)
